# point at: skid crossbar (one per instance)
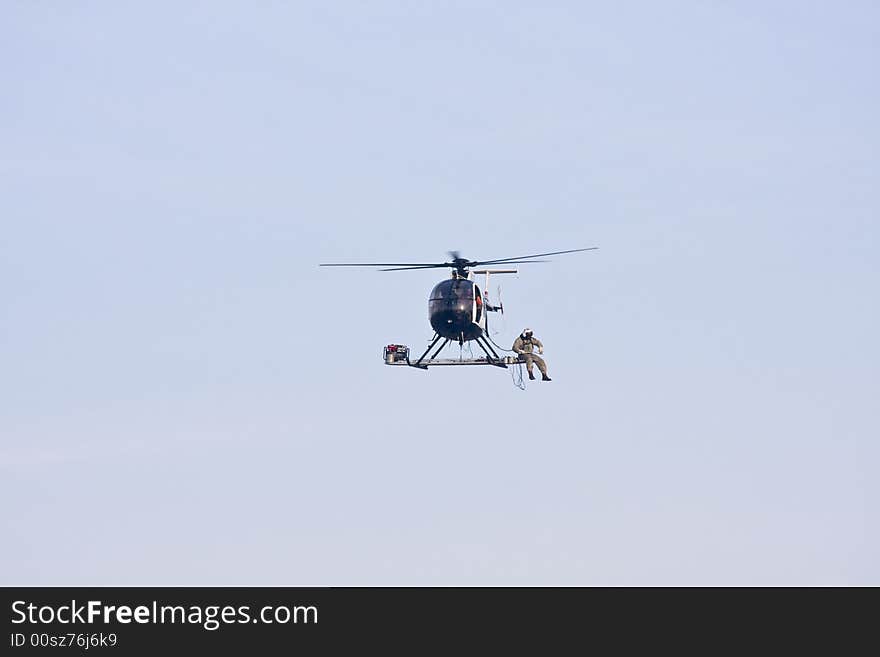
(425, 364)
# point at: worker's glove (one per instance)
(540, 350)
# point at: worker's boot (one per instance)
(544, 377)
(531, 376)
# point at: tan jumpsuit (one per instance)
(524, 347)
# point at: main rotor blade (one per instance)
(510, 262)
(537, 255)
(401, 266)
(453, 266)
(445, 264)
(382, 264)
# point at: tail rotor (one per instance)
(500, 307)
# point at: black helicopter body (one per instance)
(455, 310)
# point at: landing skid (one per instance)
(398, 354)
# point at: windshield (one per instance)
(453, 289)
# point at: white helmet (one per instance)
(527, 332)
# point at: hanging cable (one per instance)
(498, 346)
(516, 369)
(516, 375)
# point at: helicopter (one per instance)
(457, 309)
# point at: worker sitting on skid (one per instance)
(524, 346)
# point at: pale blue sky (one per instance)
(189, 399)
